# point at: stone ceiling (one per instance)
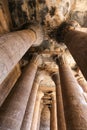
(48, 12)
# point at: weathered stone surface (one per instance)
(80, 12)
(60, 106)
(81, 80)
(76, 42)
(28, 118)
(5, 19)
(80, 17)
(50, 13)
(14, 45)
(53, 113)
(81, 5)
(75, 106)
(45, 119)
(36, 110)
(13, 109)
(39, 116)
(78, 51)
(61, 10)
(8, 83)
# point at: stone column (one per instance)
(36, 110)
(45, 118)
(31, 103)
(76, 42)
(60, 108)
(14, 45)
(9, 82)
(53, 118)
(39, 116)
(13, 109)
(75, 106)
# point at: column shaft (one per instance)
(76, 42)
(26, 125)
(39, 116)
(8, 83)
(53, 123)
(36, 111)
(13, 109)
(14, 45)
(60, 108)
(45, 118)
(75, 106)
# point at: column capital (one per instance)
(53, 96)
(40, 94)
(39, 76)
(37, 60)
(39, 35)
(56, 78)
(54, 74)
(80, 78)
(60, 59)
(60, 32)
